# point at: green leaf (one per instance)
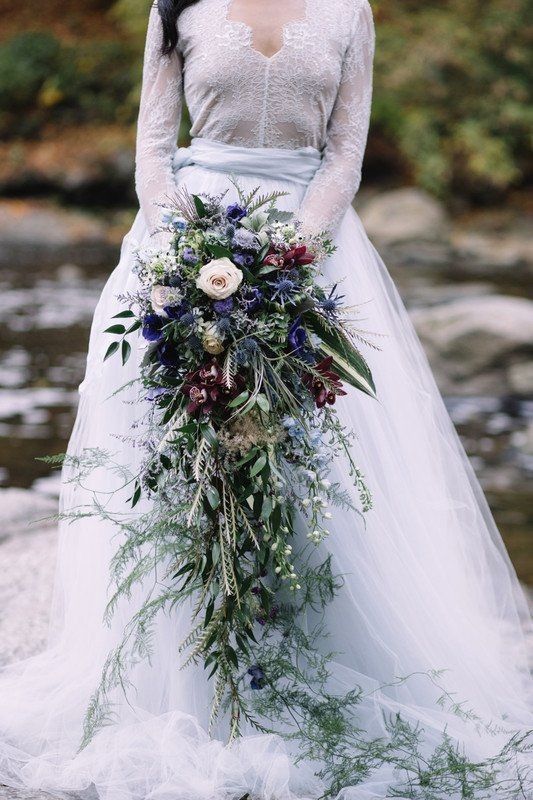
(135, 327)
(199, 205)
(240, 399)
(123, 314)
(209, 613)
(349, 373)
(126, 351)
(266, 510)
(275, 518)
(347, 359)
(136, 496)
(113, 347)
(266, 269)
(231, 655)
(115, 329)
(248, 457)
(258, 465)
(213, 496)
(208, 432)
(219, 251)
(263, 403)
(166, 462)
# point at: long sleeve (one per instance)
(337, 180)
(158, 124)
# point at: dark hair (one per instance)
(169, 11)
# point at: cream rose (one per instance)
(219, 278)
(211, 341)
(162, 296)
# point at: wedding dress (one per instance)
(427, 582)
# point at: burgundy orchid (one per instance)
(295, 257)
(327, 390)
(206, 389)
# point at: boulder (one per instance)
(405, 215)
(94, 164)
(24, 511)
(44, 235)
(521, 378)
(475, 344)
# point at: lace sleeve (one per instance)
(337, 180)
(158, 125)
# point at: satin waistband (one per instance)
(297, 166)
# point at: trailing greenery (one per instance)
(290, 688)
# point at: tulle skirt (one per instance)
(428, 586)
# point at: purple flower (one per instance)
(223, 306)
(235, 212)
(168, 355)
(243, 259)
(258, 677)
(189, 256)
(244, 239)
(176, 312)
(251, 298)
(297, 336)
(285, 289)
(152, 325)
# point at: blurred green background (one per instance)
(451, 110)
(445, 197)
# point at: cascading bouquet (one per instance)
(245, 358)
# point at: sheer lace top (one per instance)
(314, 88)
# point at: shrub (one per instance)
(452, 91)
(43, 80)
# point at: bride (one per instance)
(429, 625)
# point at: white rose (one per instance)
(219, 278)
(211, 341)
(162, 296)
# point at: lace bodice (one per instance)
(315, 89)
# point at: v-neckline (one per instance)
(248, 30)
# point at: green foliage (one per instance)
(452, 91)
(451, 87)
(45, 80)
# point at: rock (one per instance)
(404, 215)
(24, 511)
(28, 546)
(19, 794)
(44, 235)
(521, 378)
(494, 252)
(523, 440)
(473, 342)
(26, 593)
(418, 290)
(93, 164)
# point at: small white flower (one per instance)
(219, 278)
(325, 484)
